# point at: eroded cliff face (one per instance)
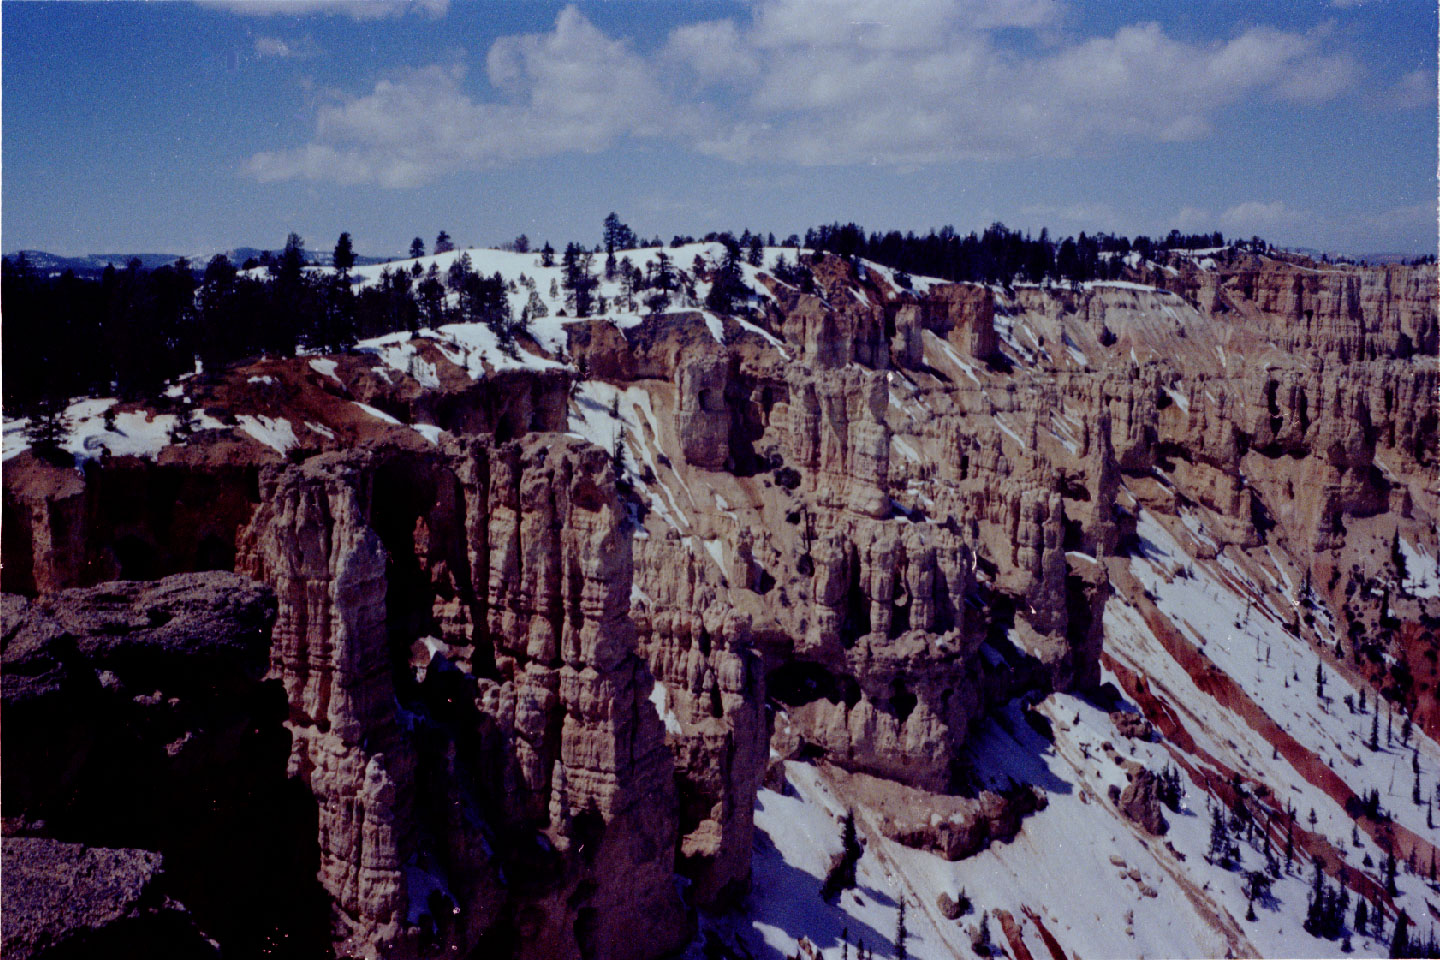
(468, 706)
(1342, 313)
(544, 635)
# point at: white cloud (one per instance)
(1194, 220)
(1272, 219)
(577, 86)
(271, 47)
(1414, 89)
(1397, 227)
(355, 9)
(1085, 215)
(817, 82)
(931, 86)
(279, 48)
(712, 50)
(1267, 218)
(573, 89)
(1356, 232)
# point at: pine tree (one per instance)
(616, 235)
(182, 429)
(841, 875)
(338, 326)
(1315, 906)
(756, 254)
(849, 838)
(417, 248)
(1400, 943)
(664, 272)
(457, 277)
(1342, 904)
(443, 243)
(577, 280)
(726, 283)
(344, 254)
(1374, 743)
(48, 428)
(617, 454)
(1219, 836)
(292, 259)
(547, 256)
(902, 950)
(1362, 916)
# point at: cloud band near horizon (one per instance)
(868, 82)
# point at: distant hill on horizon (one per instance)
(93, 264)
(1380, 259)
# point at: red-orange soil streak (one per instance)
(1218, 779)
(1012, 934)
(1417, 645)
(1219, 685)
(1051, 943)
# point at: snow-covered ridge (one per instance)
(537, 300)
(88, 433)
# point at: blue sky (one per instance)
(192, 127)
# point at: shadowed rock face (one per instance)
(67, 900)
(137, 716)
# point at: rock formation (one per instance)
(69, 900)
(138, 729)
(541, 631)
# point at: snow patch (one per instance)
(1422, 578)
(326, 368)
(660, 697)
(274, 432)
(377, 414)
(429, 431)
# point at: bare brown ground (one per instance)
(1051, 944)
(1013, 935)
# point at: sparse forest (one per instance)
(132, 329)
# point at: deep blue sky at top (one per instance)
(189, 128)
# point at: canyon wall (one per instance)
(539, 635)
